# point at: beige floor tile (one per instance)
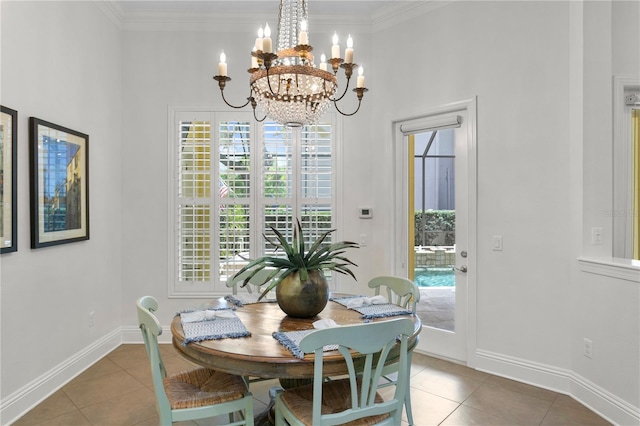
(468, 416)
(567, 411)
(74, 418)
(56, 405)
(124, 410)
(524, 388)
(508, 404)
(429, 409)
(101, 368)
(421, 361)
(464, 371)
(128, 356)
(445, 384)
(102, 388)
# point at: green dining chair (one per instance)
(402, 292)
(354, 398)
(194, 394)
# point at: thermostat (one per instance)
(366, 212)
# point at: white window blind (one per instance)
(233, 179)
(194, 212)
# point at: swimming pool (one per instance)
(435, 277)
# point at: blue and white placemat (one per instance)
(291, 340)
(381, 311)
(372, 307)
(211, 324)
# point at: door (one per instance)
(436, 163)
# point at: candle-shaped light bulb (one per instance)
(360, 77)
(254, 60)
(266, 41)
(222, 66)
(323, 62)
(259, 39)
(348, 52)
(335, 49)
(303, 37)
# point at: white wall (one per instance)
(603, 309)
(61, 63)
(509, 55)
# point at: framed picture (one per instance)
(8, 182)
(59, 184)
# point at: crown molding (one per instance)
(401, 11)
(233, 22)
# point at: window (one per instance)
(626, 169)
(233, 179)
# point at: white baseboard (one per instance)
(601, 401)
(24, 399)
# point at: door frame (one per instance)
(400, 216)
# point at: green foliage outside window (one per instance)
(435, 228)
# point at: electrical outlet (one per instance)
(92, 319)
(588, 348)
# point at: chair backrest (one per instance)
(151, 329)
(401, 291)
(254, 283)
(375, 341)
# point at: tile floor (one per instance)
(117, 391)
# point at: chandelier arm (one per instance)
(335, 104)
(346, 87)
(258, 119)
(269, 84)
(233, 106)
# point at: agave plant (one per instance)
(319, 257)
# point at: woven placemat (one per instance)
(218, 328)
(291, 340)
(382, 311)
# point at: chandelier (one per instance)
(286, 84)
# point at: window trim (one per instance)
(621, 247)
(208, 289)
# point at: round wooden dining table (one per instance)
(261, 355)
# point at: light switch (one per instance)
(497, 243)
(596, 236)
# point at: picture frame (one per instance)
(59, 159)
(8, 180)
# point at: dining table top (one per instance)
(260, 354)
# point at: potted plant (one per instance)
(301, 287)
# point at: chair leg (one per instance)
(407, 407)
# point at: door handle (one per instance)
(463, 268)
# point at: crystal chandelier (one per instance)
(286, 84)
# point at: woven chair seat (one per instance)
(202, 387)
(335, 399)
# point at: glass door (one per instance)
(433, 163)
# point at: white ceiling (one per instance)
(363, 10)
